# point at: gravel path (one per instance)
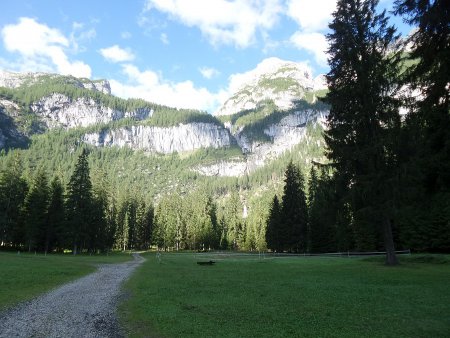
(83, 308)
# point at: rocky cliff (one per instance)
(59, 110)
(163, 140)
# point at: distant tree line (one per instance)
(38, 215)
(86, 215)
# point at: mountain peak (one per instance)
(281, 81)
(15, 80)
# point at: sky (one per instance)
(180, 53)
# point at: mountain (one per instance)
(282, 82)
(145, 149)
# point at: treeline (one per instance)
(38, 215)
(87, 215)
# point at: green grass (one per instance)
(27, 275)
(288, 297)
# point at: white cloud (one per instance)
(311, 15)
(315, 43)
(221, 21)
(116, 54)
(79, 35)
(164, 38)
(152, 87)
(41, 47)
(208, 72)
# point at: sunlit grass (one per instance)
(23, 276)
(288, 297)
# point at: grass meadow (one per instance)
(245, 296)
(27, 275)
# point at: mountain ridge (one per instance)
(283, 96)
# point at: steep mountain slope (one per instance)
(272, 118)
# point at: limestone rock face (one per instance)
(58, 110)
(285, 135)
(164, 140)
(10, 133)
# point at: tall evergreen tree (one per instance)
(294, 212)
(13, 189)
(233, 218)
(273, 226)
(79, 203)
(428, 123)
(364, 119)
(35, 212)
(56, 231)
(144, 229)
(321, 213)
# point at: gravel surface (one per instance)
(83, 308)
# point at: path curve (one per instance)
(85, 307)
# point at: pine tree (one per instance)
(56, 231)
(79, 204)
(294, 212)
(273, 226)
(13, 189)
(426, 223)
(321, 213)
(233, 213)
(35, 212)
(364, 120)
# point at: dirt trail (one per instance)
(85, 307)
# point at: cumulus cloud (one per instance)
(311, 15)
(208, 72)
(313, 18)
(41, 47)
(221, 21)
(116, 54)
(151, 86)
(315, 43)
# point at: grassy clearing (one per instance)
(27, 275)
(287, 297)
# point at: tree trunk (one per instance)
(391, 258)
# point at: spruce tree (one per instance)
(13, 189)
(273, 226)
(364, 119)
(56, 226)
(35, 212)
(294, 212)
(79, 203)
(428, 124)
(321, 213)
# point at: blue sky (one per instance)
(182, 53)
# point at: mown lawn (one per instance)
(288, 297)
(27, 275)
